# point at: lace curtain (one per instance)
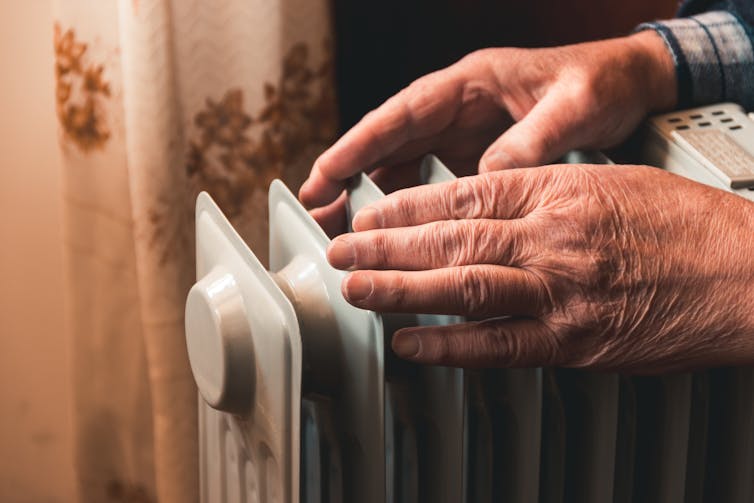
(157, 100)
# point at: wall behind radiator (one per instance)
(36, 461)
(382, 46)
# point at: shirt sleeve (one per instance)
(713, 57)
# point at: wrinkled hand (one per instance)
(508, 107)
(625, 268)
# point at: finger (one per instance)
(396, 177)
(510, 342)
(332, 218)
(502, 195)
(478, 290)
(421, 110)
(460, 145)
(542, 136)
(433, 245)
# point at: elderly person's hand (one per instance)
(501, 108)
(628, 268)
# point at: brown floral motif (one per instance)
(171, 219)
(80, 91)
(236, 153)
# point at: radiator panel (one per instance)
(358, 424)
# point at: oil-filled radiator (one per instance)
(302, 400)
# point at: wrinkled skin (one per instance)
(623, 268)
(498, 109)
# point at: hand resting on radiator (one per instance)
(628, 268)
(625, 268)
(496, 109)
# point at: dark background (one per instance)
(382, 46)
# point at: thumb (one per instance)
(539, 138)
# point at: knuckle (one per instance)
(437, 347)
(450, 244)
(420, 89)
(582, 90)
(466, 198)
(473, 347)
(420, 98)
(491, 240)
(459, 197)
(502, 345)
(394, 118)
(471, 242)
(583, 93)
(477, 56)
(400, 208)
(378, 250)
(464, 245)
(369, 117)
(398, 290)
(492, 56)
(474, 290)
(397, 207)
(433, 239)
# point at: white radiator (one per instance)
(302, 400)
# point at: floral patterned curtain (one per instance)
(157, 100)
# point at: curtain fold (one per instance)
(157, 100)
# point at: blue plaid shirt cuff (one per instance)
(713, 57)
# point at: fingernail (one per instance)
(341, 254)
(305, 185)
(406, 345)
(304, 188)
(366, 219)
(496, 161)
(358, 287)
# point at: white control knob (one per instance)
(219, 342)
